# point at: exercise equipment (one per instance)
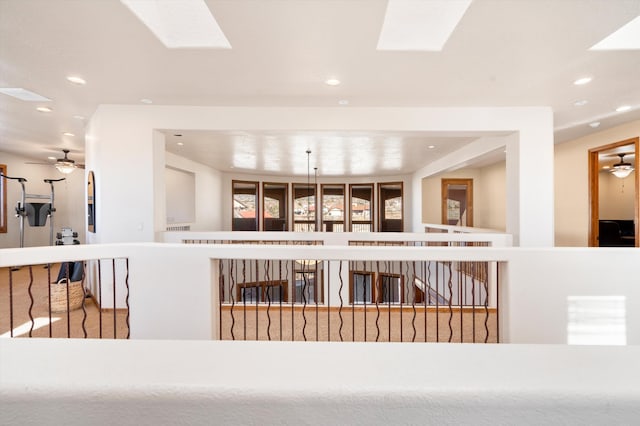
(35, 212)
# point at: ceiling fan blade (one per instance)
(39, 164)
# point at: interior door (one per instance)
(457, 202)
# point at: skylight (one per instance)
(180, 24)
(23, 94)
(626, 37)
(419, 24)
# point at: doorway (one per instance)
(457, 202)
(614, 208)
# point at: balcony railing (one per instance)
(72, 299)
(338, 300)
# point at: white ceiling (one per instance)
(503, 53)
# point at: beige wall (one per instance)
(617, 196)
(489, 196)
(491, 200)
(572, 182)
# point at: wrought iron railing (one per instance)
(58, 300)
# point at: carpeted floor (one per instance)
(16, 305)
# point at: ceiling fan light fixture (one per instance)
(621, 170)
(65, 167)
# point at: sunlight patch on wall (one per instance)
(596, 320)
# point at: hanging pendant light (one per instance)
(622, 169)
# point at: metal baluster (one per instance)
(113, 268)
(413, 300)
(267, 288)
(341, 302)
(68, 301)
(49, 301)
(100, 296)
(84, 298)
(31, 298)
(450, 285)
(232, 293)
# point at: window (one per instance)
(262, 292)
(390, 206)
(274, 205)
(333, 208)
(361, 207)
(3, 199)
(308, 282)
(304, 207)
(390, 288)
(245, 206)
(361, 290)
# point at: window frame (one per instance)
(372, 279)
(380, 293)
(371, 221)
(314, 222)
(257, 204)
(263, 286)
(344, 209)
(284, 205)
(381, 206)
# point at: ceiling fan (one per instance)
(64, 165)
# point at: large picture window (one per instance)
(274, 206)
(245, 206)
(390, 207)
(304, 207)
(361, 202)
(333, 208)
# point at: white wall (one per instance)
(45, 381)
(616, 196)
(489, 196)
(208, 192)
(69, 201)
(572, 182)
(181, 195)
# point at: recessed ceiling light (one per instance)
(79, 117)
(420, 25)
(580, 103)
(626, 37)
(343, 102)
(583, 80)
(146, 101)
(52, 158)
(431, 146)
(180, 144)
(180, 24)
(332, 82)
(76, 80)
(623, 108)
(594, 124)
(23, 94)
(606, 167)
(44, 109)
(68, 134)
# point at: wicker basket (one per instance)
(59, 295)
